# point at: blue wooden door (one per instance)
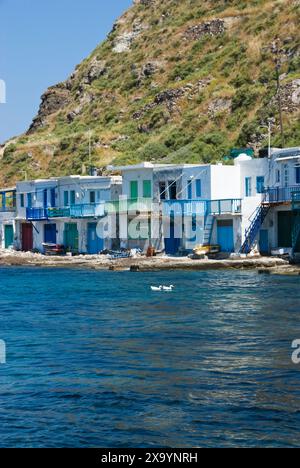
(264, 241)
(95, 243)
(50, 233)
(226, 235)
(172, 243)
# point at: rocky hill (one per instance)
(175, 81)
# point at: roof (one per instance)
(148, 165)
(9, 189)
(287, 154)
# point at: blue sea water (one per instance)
(95, 359)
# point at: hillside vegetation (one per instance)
(175, 81)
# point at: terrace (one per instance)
(202, 207)
(281, 194)
(134, 205)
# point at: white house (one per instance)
(64, 211)
(200, 204)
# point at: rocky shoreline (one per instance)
(263, 265)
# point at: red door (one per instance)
(27, 237)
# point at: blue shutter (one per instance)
(45, 197)
(260, 184)
(190, 190)
(198, 188)
(297, 175)
(52, 197)
(248, 186)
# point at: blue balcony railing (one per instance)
(129, 205)
(202, 207)
(85, 210)
(36, 214)
(7, 209)
(88, 210)
(59, 212)
(281, 194)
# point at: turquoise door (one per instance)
(264, 241)
(8, 236)
(71, 238)
(95, 243)
(225, 235)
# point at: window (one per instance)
(172, 190)
(286, 176)
(278, 176)
(92, 197)
(162, 190)
(52, 198)
(66, 198)
(298, 175)
(22, 201)
(248, 186)
(134, 190)
(72, 197)
(147, 189)
(29, 200)
(190, 190)
(198, 188)
(260, 184)
(45, 198)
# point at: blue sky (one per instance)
(41, 41)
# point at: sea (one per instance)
(97, 359)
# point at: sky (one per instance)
(41, 42)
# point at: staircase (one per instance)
(296, 231)
(253, 230)
(208, 229)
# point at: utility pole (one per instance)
(276, 51)
(270, 135)
(90, 151)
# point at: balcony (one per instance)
(202, 207)
(281, 194)
(136, 205)
(7, 209)
(88, 210)
(296, 201)
(36, 214)
(59, 213)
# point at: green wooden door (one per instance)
(71, 238)
(8, 236)
(134, 190)
(285, 226)
(147, 189)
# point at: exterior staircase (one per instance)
(251, 233)
(208, 229)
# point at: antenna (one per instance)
(90, 150)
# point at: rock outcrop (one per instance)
(54, 99)
(171, 96)
(215, 27)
